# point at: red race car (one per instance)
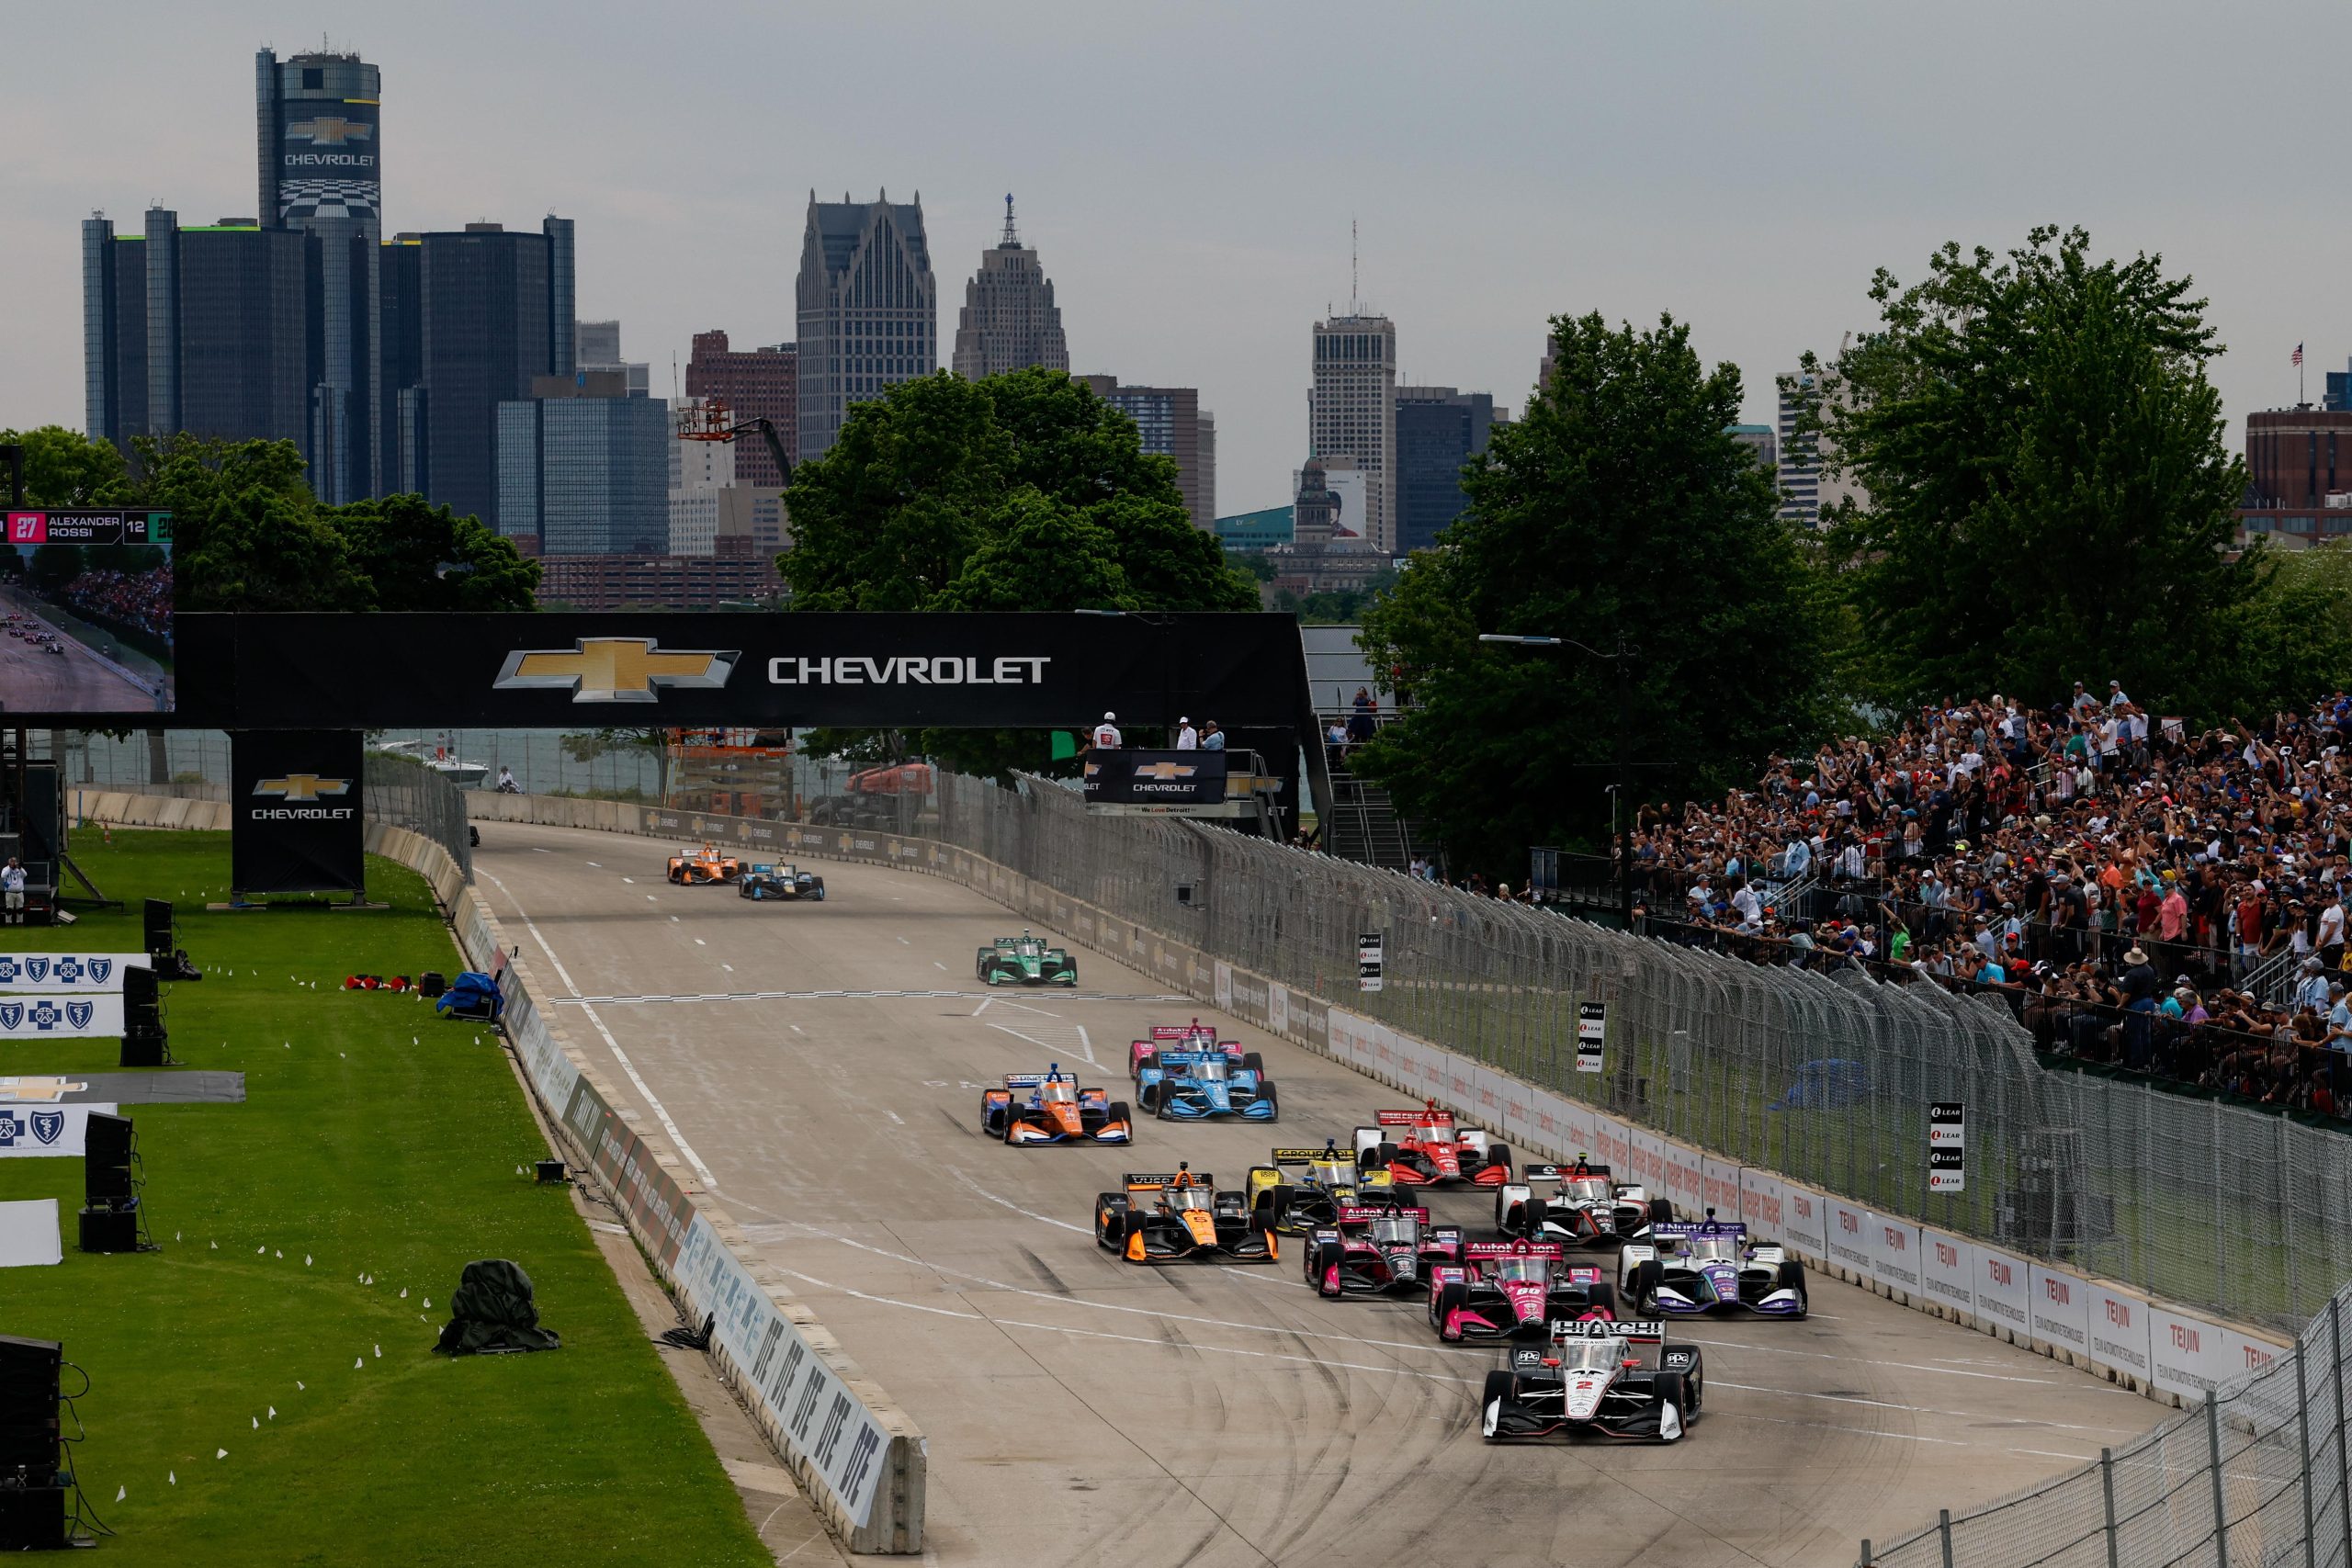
(1423, 1148)
(1515, 1290)
(1193, 1036)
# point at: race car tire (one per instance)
(1253, 1063)
(1498, 1155)
(1661, 1212)
(678, 876)
(1443, 1303)
(1143, 1059)
(1119, 1112)
(1380, 1156)
(1159, 1104)
(819, 894)
(1792, 1279)
(1669, 1389)
(1266, 1093)
(1603, 1297)
(1273, 1207)
(1646, 1275)
(988, 1119)
(1501, 1390)
(1011, 1118)
(1108, 1206)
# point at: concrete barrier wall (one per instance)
(857, 1456)
(2169, 1354)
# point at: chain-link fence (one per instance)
(2258, 1474)
(602, 764)
(1826, 1078)
(406, 794)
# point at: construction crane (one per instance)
(710, 422)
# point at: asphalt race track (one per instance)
(1081, 1409)
(35, 680)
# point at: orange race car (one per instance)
(1163, 1218)
(704, 865)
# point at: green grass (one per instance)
(368, 1155)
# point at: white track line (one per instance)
(652, 1099)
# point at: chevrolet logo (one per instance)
(1165, 771)
(614, 670)
(328, 131)
(302, 786)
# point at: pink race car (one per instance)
(1193, 1036)
(1515, 1289)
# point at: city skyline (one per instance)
(1193, 250)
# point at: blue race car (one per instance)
(1692, 1268)
(1195, 1086)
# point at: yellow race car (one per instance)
(1305, 1190)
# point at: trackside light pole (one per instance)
(1621, 845)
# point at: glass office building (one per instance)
(1438, 430)
(584, 467)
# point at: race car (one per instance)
(1194, 1086)
(1422, 1148)
(1167, 1218)
(1613, 1379)
(765, 882)
(1515, 1290)
(1024, 959)
(1709, 1266)
(1584, 1207)
(1303, 1188)
(1193, 1036)
(1049, 1108)
(1378, 1251)
(707, 864)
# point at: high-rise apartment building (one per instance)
(1798, 466)
(1169, 418)
(869, 310)
(1439, 429)
(762, 382)
(199, 329)
(490, 310)
(321, 174)
(1010, 319)
(583, 466)
(1352, 412)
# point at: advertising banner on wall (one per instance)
(1946, 1263)
(66, 1016)
(66, 971)
(2002, 1291)
(2186, 1354)
(1808, 1226)
(2058, 1304)
(296, 822)
(2119, 1330)
(1846, 1236)
(1155, 778)
(1894, 1254)
(53, 1132)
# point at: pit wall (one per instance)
(860, 1459)
(2154, 1347)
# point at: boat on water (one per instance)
(441, 757)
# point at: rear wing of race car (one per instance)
(1413, 1118)
(1561, 1172)
(1355, 1215)
(1303, 1157)
(1677, 1229)
(1195, 1030)
(1153, 1181)
(1638, 1331)
(1485, 1249)
(1036, 1081)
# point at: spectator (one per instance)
(1335, 746)
(1212, 737)
(12, 892)
(1106, 734)
(1187, 738)
(1365, 720)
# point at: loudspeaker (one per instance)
(29, 1370)
(105, 1177)
(145, 1048)
(110, 1229)
(432, 983)
(32, 1518)
(141, 999)
(159, 930)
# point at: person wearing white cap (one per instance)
(1187, 738)
(1106, 734)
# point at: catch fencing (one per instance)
(1826, 1078)
(405, 794)
(2258, 1474)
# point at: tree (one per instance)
(2049, 498)
(1619, 507)
(246, 532)
(65, 467)
(1020, 491)
(422, 556)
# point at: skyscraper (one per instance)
(1352, 412)
(1206, 444)
(197, 329)
(321, 174)
(1798, 463)
(1010, 319)
(1169, 420)
(1438, 431)
(598, 347)
(869, 314)
(759, 382)
(584, 466)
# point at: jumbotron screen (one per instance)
(86, 613)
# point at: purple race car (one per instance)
(1689, 1268)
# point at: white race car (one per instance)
(1614, 1379)
(1691, 1267)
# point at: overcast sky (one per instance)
(1188, 170)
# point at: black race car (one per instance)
(766, 882)
(1169, 1218)
(1576, 1205)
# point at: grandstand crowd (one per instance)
(140, 601)
(2167, 901)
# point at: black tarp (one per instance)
(492, 1313)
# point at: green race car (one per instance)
(1024, 959)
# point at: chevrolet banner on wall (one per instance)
(1155, 778)
(66, 971)
(65, 1016)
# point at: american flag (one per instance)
(2299, 354)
